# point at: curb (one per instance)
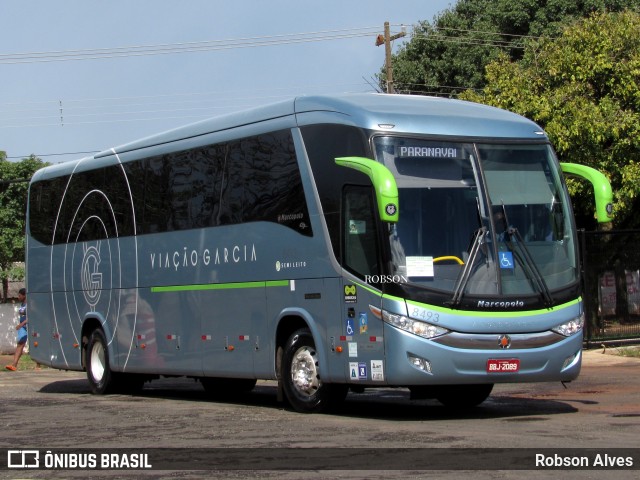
(607, 356)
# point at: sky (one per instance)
(82, 76)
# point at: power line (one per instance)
(20, 180)
(438, 86)
(468, 41)
(487, 32)
(53, 154)
(246, 42)
(173, 48)
(197, 105)
(223, 96)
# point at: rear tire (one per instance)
(102, 379)
(301, 376)
(463, 396)
(99, 372)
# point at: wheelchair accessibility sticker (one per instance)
(350, 326)
(506, 260)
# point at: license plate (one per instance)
(511, 365)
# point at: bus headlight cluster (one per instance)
(571, 327)
(416, 327)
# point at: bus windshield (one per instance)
(479, 219)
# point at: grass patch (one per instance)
(25, 363)
(629, 352)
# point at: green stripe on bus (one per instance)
(471, 313)
(220, 286)
(492, 313)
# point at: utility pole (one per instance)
(386, 39)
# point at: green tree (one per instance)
(583, 88)
(13, 201)
(450, 54)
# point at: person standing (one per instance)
(21, 329)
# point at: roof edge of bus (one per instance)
(55, 169)
(423, 114)
(210, 125)
(397, 107)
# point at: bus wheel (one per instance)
(302, 384)
(463, 396)
(97, 362)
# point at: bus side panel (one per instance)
(92, 281)
(334, 298)
(139, 341)
(65, 334)
(229, 337)
(38, 301)
(38, 258)
(313, 302)
(39, 317)
(53, 310)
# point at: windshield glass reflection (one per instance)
(507, 200)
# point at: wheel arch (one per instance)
(291, 320)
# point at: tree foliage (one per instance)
(583, 88)
(14, 177)
(450, 54)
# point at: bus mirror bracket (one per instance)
(383, 182)
(601, 188)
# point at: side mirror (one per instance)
(601, 188)
(383, 183)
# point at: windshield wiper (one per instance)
(463, 279)
(528, 264)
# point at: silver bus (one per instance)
(329, 243)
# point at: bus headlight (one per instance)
(571, 327)
(416, 327)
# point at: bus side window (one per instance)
(360, 238)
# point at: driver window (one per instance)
(359, 227)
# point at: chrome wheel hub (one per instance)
(97, 362)
(304, 371)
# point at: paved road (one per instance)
(53, 409)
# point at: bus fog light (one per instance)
(420, 363)
(571, 361)
(416, 327)
(571, 327)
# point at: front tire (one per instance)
(301, 380)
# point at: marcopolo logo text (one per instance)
(500, 304)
